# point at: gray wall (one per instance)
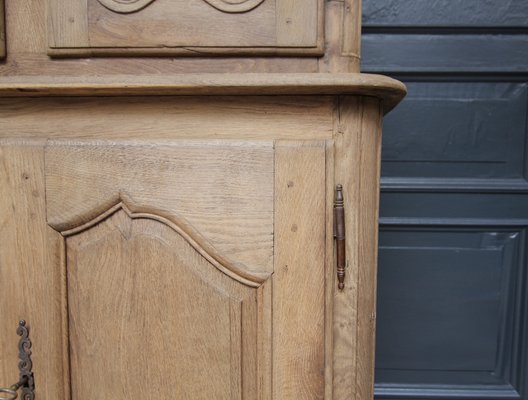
(453, 273)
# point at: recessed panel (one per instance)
(458, 131)
(150, 316)
(445, 13)
(184, 27)
(444, 306)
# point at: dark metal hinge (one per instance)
(339, 235)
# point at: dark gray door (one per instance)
(453, 272)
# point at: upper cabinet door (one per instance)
(184, 27)
(192, 270)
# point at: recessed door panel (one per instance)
(150, 317)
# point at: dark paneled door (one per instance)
(452, 300)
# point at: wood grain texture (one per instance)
(150, 317)
(367, 244)
(161, 27)
(28, 47)
(70, 27)
(347, 153)
(388, 90)
(284, 117)
(37, 64)
(234, 6)
(220, 193)
(229, 6)
(2, 30)
(292, 19)
(357, 163)
(330, 270)
(342, 36)
(351, 46)
(30, 255)
(173, 24)
(125, 7)
(299, 277)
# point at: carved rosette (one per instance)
(228, 6)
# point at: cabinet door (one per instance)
(182, 269)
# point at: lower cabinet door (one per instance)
(180, 269)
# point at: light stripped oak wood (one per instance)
(28, 46)
(219, 192)
(367, 244)
(169, 28)
(343, 37)
(2, 30)
(299, 275)
(351, 45)
(357, 163)
(160, 320)
(69, 28)
(283, 117)
(30, 253)
(388, 90)
(330, 271)
(34, 65)
(173, 24)
(292, 19)
(347, 148)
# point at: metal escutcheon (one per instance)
(26, 382)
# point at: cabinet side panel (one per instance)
(30, 258)
(347, 126)
(367, 250)
(357, 159)
(299, 277)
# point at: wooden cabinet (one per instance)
(172, 235)
(182, 27)
(171, 271)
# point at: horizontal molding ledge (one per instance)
(453, 185)
(388, 90)
(469, 222)
(495, 393)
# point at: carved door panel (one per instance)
(184, 27)
(190, 270)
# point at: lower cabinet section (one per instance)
(169, 272)
(190, 268)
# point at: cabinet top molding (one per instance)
(389, 90)
(229, 6)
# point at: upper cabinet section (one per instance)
(185, 27)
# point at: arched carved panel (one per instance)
(151, 317)
(218, 192)
(229, 6)
(125, 6)
(185, 27)
(234, 6)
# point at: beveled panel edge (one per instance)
(207, 251)
(388, 90)
(184, 51)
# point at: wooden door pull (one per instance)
(339, 235)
